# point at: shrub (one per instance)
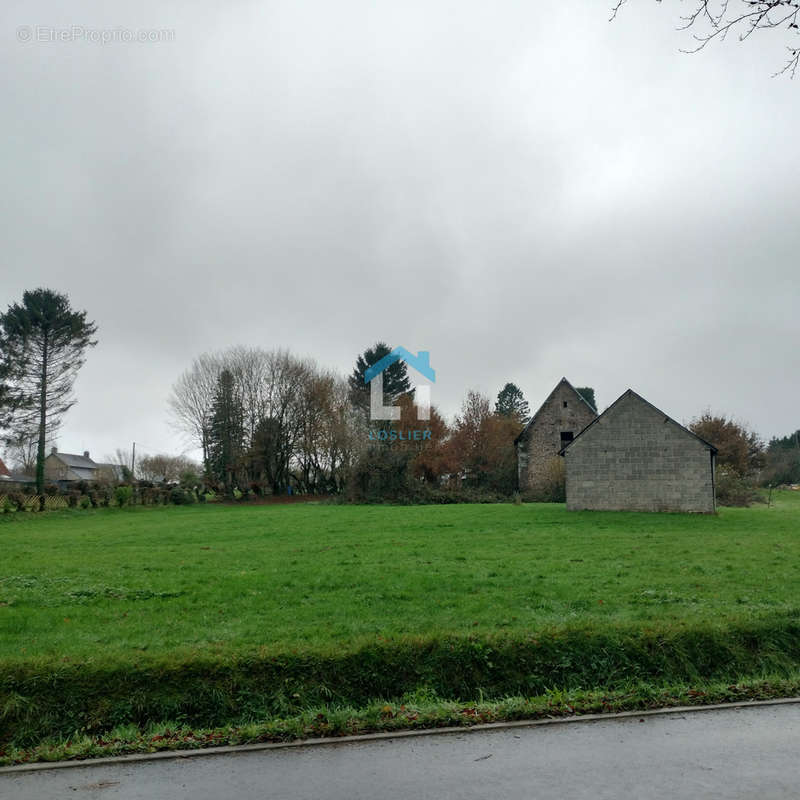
(151, 496)
(85, 502)
(73, 497)
(381, 475)
(182, 497)
(429, 495)
(17, 500)
(734, 490)
(123, 494)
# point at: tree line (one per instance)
(267, 421)
(270, 422)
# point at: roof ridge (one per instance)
(627, 393)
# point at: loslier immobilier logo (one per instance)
(422, 394)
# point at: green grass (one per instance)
(413, 711)
(215, 615)
(122, 583)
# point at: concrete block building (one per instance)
(560, 418)
(634, 457)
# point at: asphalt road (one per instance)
(741, 753)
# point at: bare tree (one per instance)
(192, 400)
(715, 19)
(296, 420)
(165, 468)
(21, 453)
(327, 435)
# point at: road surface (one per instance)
(732, 753)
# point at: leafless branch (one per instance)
(718, 18)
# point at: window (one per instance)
(566, 438)
(565, 404)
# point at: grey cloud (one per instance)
(525, 194)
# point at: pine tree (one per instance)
(395, 377)
(43, 347)
(226, 436)
(512, 403)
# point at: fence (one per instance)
(32, 502)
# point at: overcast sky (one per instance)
(523, 189)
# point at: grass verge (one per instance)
(419, 710)
(46, 700)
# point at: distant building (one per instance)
(634, 457)
(10, 481)
(562, 416)
(66, 468)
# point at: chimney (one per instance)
(86, 454)
(53, 451)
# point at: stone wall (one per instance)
(564, 410)
(637, 459)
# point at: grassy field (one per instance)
(273, 609)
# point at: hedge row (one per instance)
(43, 699)
(102, 497)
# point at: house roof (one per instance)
(84, 473)
(74, 460)
(16, 477)
(631, 393)
(561, 383)
(7, 476)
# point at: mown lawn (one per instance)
(121, 583)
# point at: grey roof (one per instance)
(17, 477)
(84, 473)
(73, 460)
(631, 393)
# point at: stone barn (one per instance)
(561, 417)
(634, 457)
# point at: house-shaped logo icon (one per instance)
(422, 394)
